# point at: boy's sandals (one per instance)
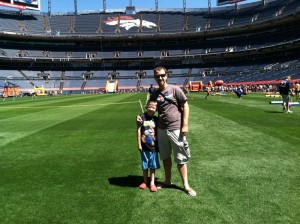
(143, 186)
(190, 192)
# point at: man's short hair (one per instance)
(159, 68)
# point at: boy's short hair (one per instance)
(151, 101)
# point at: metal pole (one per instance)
(209, 6)
(156, 5)
(184, 5)
(49, 7)
(75, 5)
(104, 5)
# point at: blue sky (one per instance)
(68, 5)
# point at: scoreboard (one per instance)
(21, 4)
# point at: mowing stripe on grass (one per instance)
(272, 130)
(34, 122)
(75, 105)
(242, 169)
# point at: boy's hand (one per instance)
(139, 120)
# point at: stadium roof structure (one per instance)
(25, 5)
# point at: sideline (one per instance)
(141, 106)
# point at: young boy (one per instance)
(147, 145)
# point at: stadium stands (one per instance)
(232, 43)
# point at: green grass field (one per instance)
(74, 159)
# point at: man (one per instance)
(286, 91)
(173, 114)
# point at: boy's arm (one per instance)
(138, 134)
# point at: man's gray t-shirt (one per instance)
(169, 103)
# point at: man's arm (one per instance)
(185, 118)
(291, 89)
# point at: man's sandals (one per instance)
(190, 192)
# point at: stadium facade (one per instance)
(240, 43)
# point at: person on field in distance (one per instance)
(147, 145)
(207, 90)
(150, 91)
(173, 114)
(297, 90)
(286, 91)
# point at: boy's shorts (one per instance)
(169, 141)
(149, 160)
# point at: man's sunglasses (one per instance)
(160, 76)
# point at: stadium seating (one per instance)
(227, 41)
(88, 23)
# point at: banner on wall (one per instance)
(21, 4)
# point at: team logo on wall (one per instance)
(128, 22)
